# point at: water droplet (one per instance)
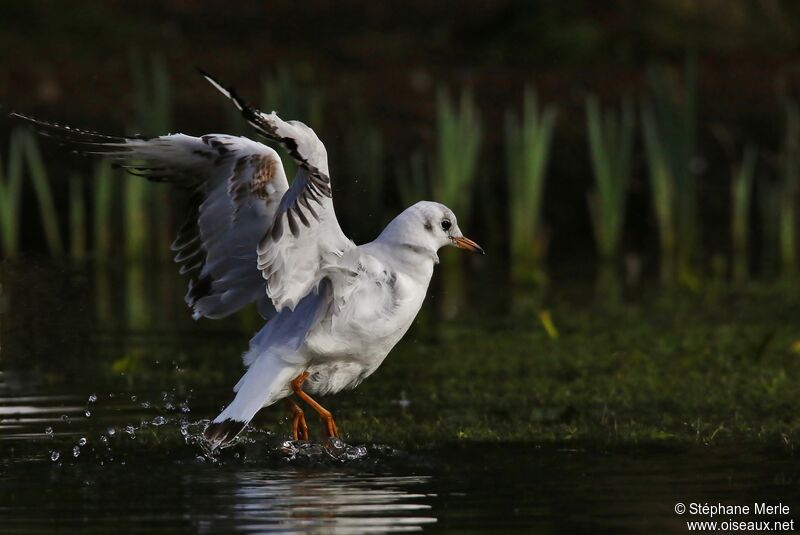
(185, 407)
(356, 453)
(82, 441)
(48, 431)
(92, 398)
(130, 430)
(200, 459)
(145, 404)
(133, 398)
(54, 455)
(111, 395)
(169, 406)
(64, 418)
(111, 431)
(88, 413)
(159, 420)
(103, 439)
(76, 451)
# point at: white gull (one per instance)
(334, 310)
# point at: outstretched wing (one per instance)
(235, 187)
(305, 236)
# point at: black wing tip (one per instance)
(205, 74)
(219, 86)
(220, 434)
(28, 119)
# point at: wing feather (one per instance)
(304, 239)
(234, 186)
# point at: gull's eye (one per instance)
(446, 224)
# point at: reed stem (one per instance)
(44, 195)
(11, 196)
(669, 128)
(528, 144)
(77, 219)
(610, 137)
(741, 195)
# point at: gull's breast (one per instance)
(352, 341)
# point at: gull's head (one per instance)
(431, 226)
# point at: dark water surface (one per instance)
(100, 414)
(474, 488)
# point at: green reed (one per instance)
(102, 205)
(669, 128)
(44, 194)
(77, 218)
(741, 198)
(458, 142)
(528, 144)
(458, 134)
(610, 137)
(148, 217)
(11, 196)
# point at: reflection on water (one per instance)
(132, 465)
(99, 419)
(94, 456)
(324, 503)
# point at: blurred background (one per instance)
(634, 139)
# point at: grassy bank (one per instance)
(674, 367)
(686, 369)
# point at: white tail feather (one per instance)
(265, 382)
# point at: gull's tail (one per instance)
(266, 382)
(273, 361)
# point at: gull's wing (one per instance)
(305, 236)
(235, 187)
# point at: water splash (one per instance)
(334, 449)
(171, 428)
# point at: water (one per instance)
(474, 488)
(100, 420)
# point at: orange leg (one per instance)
(324, 414)
(299, 426)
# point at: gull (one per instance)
(333, 309)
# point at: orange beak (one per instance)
(465, 243)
